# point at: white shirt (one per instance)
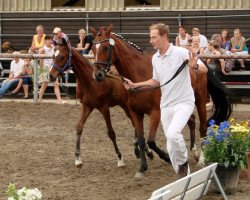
(49, 51)
(16, 68)
(203, 41)
(183, 42)
(179, 90)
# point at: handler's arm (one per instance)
(129, 84)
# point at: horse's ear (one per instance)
(109, 29)
(64, 42)
(93, 31)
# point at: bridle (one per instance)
(67, 64)
(108, 62)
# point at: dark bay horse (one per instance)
(135, 64)
(92, 95)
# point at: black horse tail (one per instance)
(222, 99)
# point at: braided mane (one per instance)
(131, 43)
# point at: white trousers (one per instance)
(174, 118)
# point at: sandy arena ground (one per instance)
(37, 150)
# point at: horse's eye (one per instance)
(106, 48)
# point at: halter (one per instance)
(108, 62)
(67, 64)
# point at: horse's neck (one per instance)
(83, 70)
(132, 63)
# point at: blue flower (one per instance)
(205, 142)
(210, 133)
(221, 137)
(223, 125)
(211, 122)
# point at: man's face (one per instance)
(156, 40)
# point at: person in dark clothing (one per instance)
(85, 42)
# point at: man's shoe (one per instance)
(183, 170)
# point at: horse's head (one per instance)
(103, 49)
(61, 61)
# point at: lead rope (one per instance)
(149, 87)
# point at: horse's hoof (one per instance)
(139, 176)
(201, 164)
(78, 163)
(121, 163)
(195, 153)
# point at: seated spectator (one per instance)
(196, 45)
(229, 63)
(26, 78)
(203, 39)
(217, 65)
(201, 67)
(85, 42)
(15, 71)
(182, 39)
(58, 35)
(225, 43)
(45, 66)
(38, 40)
(239, 46)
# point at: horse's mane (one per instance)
(130, 43)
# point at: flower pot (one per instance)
(229, 178)
(245, 173)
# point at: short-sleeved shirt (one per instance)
(179, 90)
(203, 41)
(16, 68)
(87, 39)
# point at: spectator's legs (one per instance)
(26, 91)
(57, 91)
(7, 84)
(20, 83)
(241, 63)
(42, 90)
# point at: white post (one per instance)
(35, 84)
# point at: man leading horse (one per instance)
(177, 97)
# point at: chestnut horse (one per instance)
(92, 95)
(135, 64)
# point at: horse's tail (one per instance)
(222, 99)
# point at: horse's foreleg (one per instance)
(111, 133)
(85, 112)
(138, 121)
(136, 146)
(193, 148)
(154, 120)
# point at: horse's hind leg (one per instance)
(154, 120)
(111, 133)
(85, 112)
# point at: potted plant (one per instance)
(24, 194)
(227, 144)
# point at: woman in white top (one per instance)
(182, 38)
(45, 66)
